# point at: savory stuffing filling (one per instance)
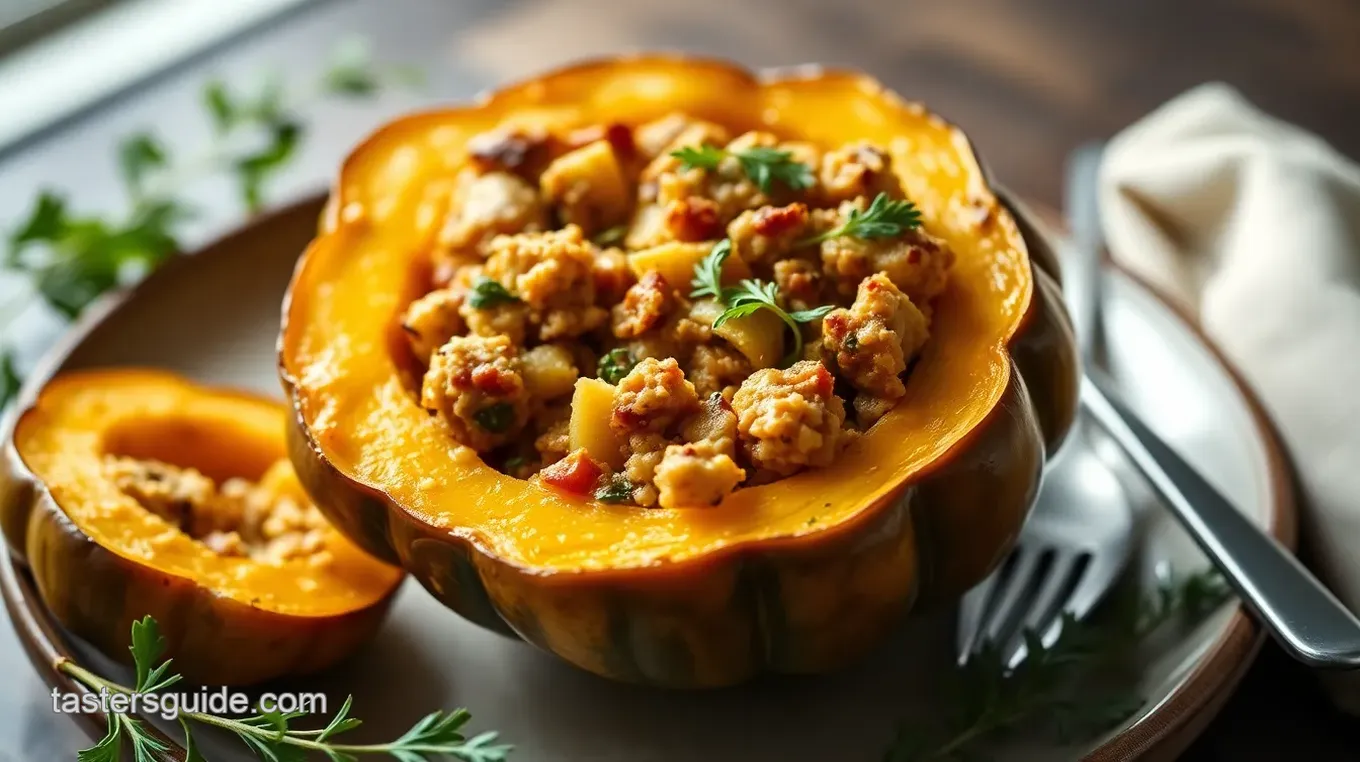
(661, 314)
(237, 518)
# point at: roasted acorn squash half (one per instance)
(799, 575)
(108, 483)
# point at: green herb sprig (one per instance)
(748, 297)
(617, 490)
(885, 218)
(487, 293)
(1052, 689)
(268, 735)
(72, 258)
(762, 164)
(615, 364)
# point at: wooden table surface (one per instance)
(1029, 80)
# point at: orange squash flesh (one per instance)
(543, 561)
(230, 620)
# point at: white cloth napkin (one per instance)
(1255, 225)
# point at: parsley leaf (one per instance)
(9, 380)
(751, 296)
(109, 748)
(611, 236)
(137, 156)
(615, 364)
(618, 490)
(147, 647)
(487, 293)
(885, 218)
(762, 164)
(496, 417)
(253, 170)
(708, 272)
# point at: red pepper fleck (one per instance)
(576, 473)
(488, 378)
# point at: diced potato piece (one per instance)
(675, 261)
(591, 407)
(549, 371)
(759, 336)
(588, 187)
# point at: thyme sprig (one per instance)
(1054, 688)
(761, 164)
(268, 734)
(71, 258)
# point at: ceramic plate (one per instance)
(214, 316)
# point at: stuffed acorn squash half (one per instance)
(136, 492)
(678, 372)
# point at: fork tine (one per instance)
(1060, 582)
(1002, 610)
(972, 608)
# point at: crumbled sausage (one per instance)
(695, 474)
(645, 453)
(858, 170)
(789, 419)
(476, 384)
(643, 307)
(916, 262)
(715, 423)
(653, 397)
(553, 275)
(554, 444)
(167, 491)
(768, 234)
(485, 206)
(432, 320)
(693, 218)
(799, 282)
(717, 368)
(239, 518)
(872, 342)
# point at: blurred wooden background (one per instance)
(1028, 79)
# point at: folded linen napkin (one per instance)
(1254, 225)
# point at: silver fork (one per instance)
(1079, 537)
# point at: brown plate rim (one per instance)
(1163, 733)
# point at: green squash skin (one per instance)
(725, 618)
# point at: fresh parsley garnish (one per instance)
(9, 380)
(885, 218)
(615, 364)
(487, 293)
(708, 272)
(751, 296)
(762, 164)
(611, 236)
(748, 297)
(496, 417)
(617, 490)
(268, 734)
(71, 258)
(1056, 688)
